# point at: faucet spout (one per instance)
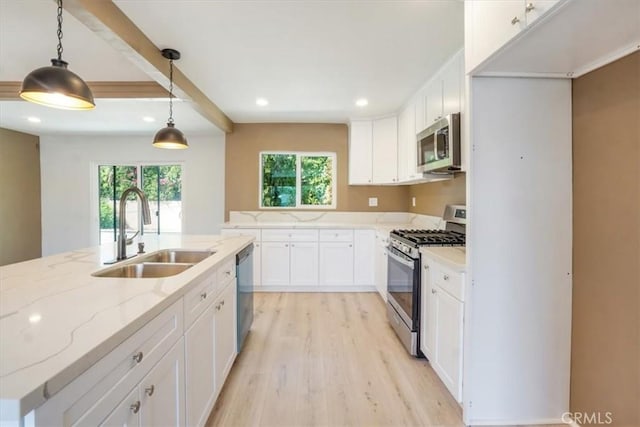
(146, 219)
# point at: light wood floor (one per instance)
(329, 360)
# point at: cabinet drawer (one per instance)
(336, 235)
(198, 299)
(226, 272)
(288, 235)
(99, 389)
(448, 280)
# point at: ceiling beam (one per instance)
(9, 90)
(106, 20)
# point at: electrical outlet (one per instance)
(373, 201)
(413, 202)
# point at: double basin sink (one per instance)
(163, 263)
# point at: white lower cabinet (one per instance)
(336, 264)
(225, 334)
(381, 265)
(275, 264)
(200, 372)
(364, 249)
(303, 264)
(162, 391)
(441, 322)
(168, 373)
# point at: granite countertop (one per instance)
(56, 320)
(453, 257)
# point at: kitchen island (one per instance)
(57, 320)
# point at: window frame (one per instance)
(299, 205)
(94, 198)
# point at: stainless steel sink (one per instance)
(143, 270)
(177, 256)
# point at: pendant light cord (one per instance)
(60, 30)
(170, 91)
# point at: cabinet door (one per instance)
(448, 342)
(275, 263)
(162, 391)
(304, 264)
(360, 152)
(534, 9)
(452, 83)
(381, 269)
(225, 334)
(433, 102)
(403, 141)
(257, 264)
(199, 368)
(336, 264)
(428, 316)
(385, 151)
(126, 414)
(491, 27)
(364, 252)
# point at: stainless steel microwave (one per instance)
(439, 146)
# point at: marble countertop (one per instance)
(318, 225)
(56, 320)
(454, 257)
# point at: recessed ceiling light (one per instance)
(148, 119)
(362, 102)
(262, 102)
(34, 119)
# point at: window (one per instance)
(161, 183)
(297, 180)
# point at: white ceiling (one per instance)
(310, 59)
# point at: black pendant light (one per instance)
(170, 137)
(56, 86)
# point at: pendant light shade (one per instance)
(56, 86)
(170, 137)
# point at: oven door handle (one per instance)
(401, 260)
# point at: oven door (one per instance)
(403, 286)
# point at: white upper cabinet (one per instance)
(489, 24)
(373, 151)
(407, 148)
(452, 85)
(548, 38)
(360, 152)
(385, 150)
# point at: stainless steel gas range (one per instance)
(403, 274)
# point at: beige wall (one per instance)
(247, 140)
(432, 197)
(20, 230)
(605, 360)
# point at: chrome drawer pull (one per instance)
(515, 20)
(135, 408)
(203, 296)
(529, 7)
(138, 357)
(445, 277)
(433, 291)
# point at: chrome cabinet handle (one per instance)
(529, 7)
(218, 307)
(203, 296)
(222, 303)
(426, 267)
(515, 20)
(293, 245)
(138, 357)
(433, 291)
(286, 245)
(350, 245)
(135, 408)
(445, 277)
(149, 390)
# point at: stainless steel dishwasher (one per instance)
(244, 273)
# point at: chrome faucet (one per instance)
(123, 241)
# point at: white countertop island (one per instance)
(57, 320)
